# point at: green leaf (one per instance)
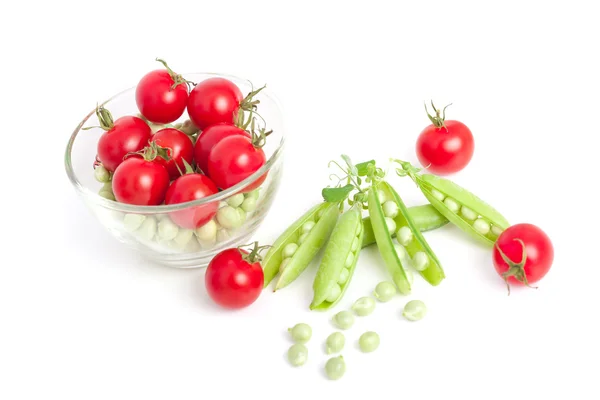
(363, 167)
(336, 194)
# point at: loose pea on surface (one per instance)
(384, 291)
(481, 226)
(452, 204)
(289, 250)
(368, 342)
(300, 333)
(335, 342)
(343, 319)
(390, 209)
(297, 354)
(364, 306)
(414, 310)
(335, 367)
(404, 235)
(420, 261)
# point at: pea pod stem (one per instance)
(426, 218)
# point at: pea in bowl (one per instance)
(156, 232)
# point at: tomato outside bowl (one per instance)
(152, 230)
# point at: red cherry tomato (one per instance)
(179, 148)
(191, 187)
(523, 254)
(234, 159)
(127, 134)
(445, 147)
(234, 278)
(140, 180)
(214, 101)
(162, 95)
(211, 136)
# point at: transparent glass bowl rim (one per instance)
(220, 196)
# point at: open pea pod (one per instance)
(426, 218)
(422, 257)
(339, 260)
(383, 238)
(461, 207)
(296, 247)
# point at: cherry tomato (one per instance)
(127, 134)
(445, 147)
(162, 95)
(191, 187)
(234, 278)
(211, 136)
(214, 101)
(141, 179)
(523, 254)
(179, 148)
(233, 159)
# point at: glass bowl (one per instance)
(150, 230)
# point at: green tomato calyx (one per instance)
(516, 270)
(104, 118)
(440, 116)
(253, 255)
(177, 78)
(151, 152)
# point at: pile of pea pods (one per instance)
(337, 225)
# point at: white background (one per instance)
(84, 318)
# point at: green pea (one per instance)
(364, 306)
(426, 218)
(148, 228)
(390, 210)
(355, 245)
(236, 200)
(460, 197)
(438, 195)
(343, 319)
(308, 225)
(242, 214)
(183, 237)
(391, 224)
(335, 342)
(223, 235)
(384, 291)
(167, 230)
(481, 226)
(284, 264)
(420, 261)
(468, 213)
(309, 245)
(335, 367)
(337, 256)
(496, 231)
(414, 310)
(368, 342)
(132, 222)
(451, 204)
(101, 174)
(301, 332)
(208, 231)
(297, 354)
(107, 195)
(335, 293)
(344, 275)
(253, 194)
(229, 217)
(289, 250)
(249, 204)
(404, 236)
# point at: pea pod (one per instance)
(383, 238)
(339, 260)
(461, 207)
(306, 236)
(426, 218)
(423, 258)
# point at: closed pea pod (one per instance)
(305, 250)
(426, 218)
(461, 207)
(338, 256)
(431, 268)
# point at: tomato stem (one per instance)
(440, 116)
(177, 78)
(516, 270)
(254, 254)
